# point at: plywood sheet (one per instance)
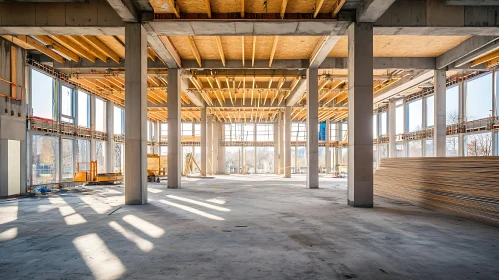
(296, 47)
(404, 46)
(207, 47)
(181, 44)
(113, 44)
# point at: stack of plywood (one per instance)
(463, 186)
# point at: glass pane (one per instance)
(383, 151)
(451, 146)
(415, 115)
(67, 103)
(67, 159)
(265, 132)
(119, 157)
(265, 160)
(118, 120)
(232, 159)
(293, 160)
(42, 95)
(479, 98)
(429, 149)
(375, 127)
(452, 105)
(383, 122)
(430, 111)
(332, 134)
(163, 151)
(100, 115)
(375, 157)
(399, 120)
(83, 108)
(83, 152)
(479, 144)
(44, 159)
(249, 160)
(322, 160)
(415, 149)
(100, 156)
(400, 150)
(301, 160)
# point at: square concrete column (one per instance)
(135, 114)
(392, 127)
(360, 114)
(110, 157)
(157, 138)
(328, 145)
(313, 128)
(440, 126)
(174, 122)
(276, 148)
(209, 143)
(221, 149)
(281, 142)
(215, 145)
(287, 142)
(204, 145)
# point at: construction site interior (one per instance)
(249, 139)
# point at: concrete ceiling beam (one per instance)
(171, 59)
(193, 96)
(471, 45)
(402, 85)
(322, 50)
(126, 10)
(472, 2)
(297, 93)
(372, 10)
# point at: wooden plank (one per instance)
(58, 47)
(208, 8)
(89, 47)
(337, 7)
(274, 47)
(283, 8)
(242, 11)
(174, 7)
(254, 51)
(65, 41)
(40, 47)
(317, 7)
(220, 49)
(195, 51)
(103, 48)
(13, 74)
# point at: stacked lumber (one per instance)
(464, 186)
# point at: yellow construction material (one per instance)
(91, 175)
(156, 166)
(188, 163)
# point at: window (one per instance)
(149, 131)
(119, 163)
(100, 115)
(83, 108)
(344, 131)
(479, 98)
(375, 157)
(67, 159)
(414, 148)
(322, 131)
(383, 151)
(100, 156)
(430, 111)
(249, 160)
(429, 149)
(249, 132)
(44, 159)
(164, 132)
(118, 120)
(451, 146)
(197, 129)
(478, 144)
(298, 132)
(42, 94)
(163, 151)
(399, 120)
(452, 105)
(67, 104)
(322, 159)
(400, 150)
(265, 160)
(265, 132)
(415, 115)
(301, 160)
(187, 129)
(375, 127)
(332, 133)
(83, 151)
(383, 123)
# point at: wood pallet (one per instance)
(464, 186)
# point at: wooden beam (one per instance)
(103, 48)
(171, 49)
(195, 51)
(89, 47)
(58, 47)
(254, 50)
(283, 8)
(40, 47)
(208, 8)
(13, 74)
(318, 7)
(242, 8)
(242, 40)
(485, 58)
(337, 7)
(175, 8)
(274, 47)
(64, 40)
(220, 49)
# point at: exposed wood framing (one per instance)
(318, 6)
(337, 7)
(283, 8)
(220, 49)
(40, 47)
(272, 52)
(254, 51)
(174, 8)
(68, 43)
(208, 8)
(58, 47)
(195, 51)
(103, 48)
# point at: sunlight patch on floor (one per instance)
(144, 226)
(143, 244)
(192, 210)
(68, 212)
(8, 234)
(218, 208)
(99, 259)
(8, 213)
(97, 206)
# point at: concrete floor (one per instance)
(237, 227)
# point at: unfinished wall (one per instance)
(12, 121)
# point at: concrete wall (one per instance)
(12, 117)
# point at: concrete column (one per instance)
(215, 145)
(440, 126)
(360, 113)
(221, 149)
(135, 114)
(110, 158)
(209, 143)
(287, 142)
(392, 127)
(92, 128)
(328, 145)
(281, 143)
(276, 148)
(204, 145)
(313, 128)
(174, 133)
(157, 137)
